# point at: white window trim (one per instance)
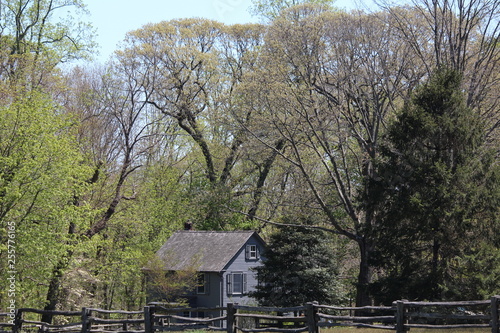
(252, 254)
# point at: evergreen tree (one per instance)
(299, 267)
(438, 195)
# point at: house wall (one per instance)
(217, 294)
(212, 297)
(240, 264)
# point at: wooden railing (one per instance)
(86, 321)
(162, 318)
(401, 317)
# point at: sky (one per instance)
(114, 18)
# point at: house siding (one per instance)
(240, 264)
(212, 297)
(220, 254)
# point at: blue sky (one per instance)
(114, 18)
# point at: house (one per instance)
(224, 261)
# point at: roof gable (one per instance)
(207, 251)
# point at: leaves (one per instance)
(231, 126)
(41, 173)
(435, 166)
(299, 267)
(271, 9)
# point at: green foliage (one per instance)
(38, 27)
(39, 159)
(475, 273)
(200, 98)
(271, 9)
(170, 286)
(198, 121)
(438, 195)
(165, 205)
(218, 209)
(41, 172)
(299, 267)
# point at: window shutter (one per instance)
(247, 252)
(207, 283)
(244, 277)
(229, 285)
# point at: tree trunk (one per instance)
(55, 286)
(52, 296)
(266, 168)
(57, 276)
(365, 273)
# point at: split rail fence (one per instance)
(402, 316)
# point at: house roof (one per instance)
(207, 251)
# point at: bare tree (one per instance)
(334, 81)
(116, 124)
(463, 35)
(37, 37)
(196, 70)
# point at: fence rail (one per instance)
(401, 317)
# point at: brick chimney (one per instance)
(188, 226)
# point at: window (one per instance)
(236, 283)
(251, 252)
(202, 286)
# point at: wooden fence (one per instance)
(402, 316)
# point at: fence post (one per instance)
(18, 321)
(495, 300)
(85, 320)
(231, 318)
(400, 317)
(311, 315)
(148, 325)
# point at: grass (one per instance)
(414, 330)
(372, 330)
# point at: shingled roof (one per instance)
(208, 251)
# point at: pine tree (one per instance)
(438, 194)
(299, 267)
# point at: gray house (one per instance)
(224, 261)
